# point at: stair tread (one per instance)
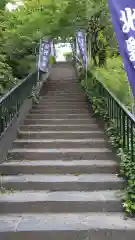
(60, 140)
(61, 131)
(66, 196)
(64, 222)
(65, 125)
(62, 119)
(59, 150)
(61, 163)
(62, 178)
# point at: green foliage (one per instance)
(21, 30)
(68, 56)
(52, 60)
(20, 33)
(6, 78)
(114, 78)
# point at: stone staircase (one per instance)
(60, 180)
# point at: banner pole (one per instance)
(86, 60)
(132, 101)
(76, 49)
(38, 75)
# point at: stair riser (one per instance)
(57, 156)
(64, 186)
(40, 135)
(61, 206)
(75, 234)
(59, 128)
(63, 103)
(58, 121)
(63, 99)
(61, 93)
(59, 107)
(60, 145)
(55, 87)
(72, 93)
(59, 116)
(65, 89)
(15, 170)
(58, 111)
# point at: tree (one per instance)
(22, 29)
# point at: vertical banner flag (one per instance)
(44, 53)
(123, 18)
(82, 46)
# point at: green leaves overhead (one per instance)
(21, 29)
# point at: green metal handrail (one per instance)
(118, 113)
(11, 102)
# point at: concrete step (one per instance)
(59, 121)
(59, 182)
(58, 107)
(62, 103)
(59, 116)
(61, 153)
(73, 226)
(62, 127)
(54, 87)
(56, 202)
(60, 143)
(58, 111)
(59, 167)
(61, 134)
(63, 99)
(64, 86)
(62, 93)
(72, 93)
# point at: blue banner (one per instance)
(44, 54)
(82, 46)
(123, 18)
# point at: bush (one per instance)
(68, 56)
(52, 60)
(114, 78)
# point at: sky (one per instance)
(60, 50)
(11, 6)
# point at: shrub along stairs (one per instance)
(60, 180)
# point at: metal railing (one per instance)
(116, 112)
(11, 102)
